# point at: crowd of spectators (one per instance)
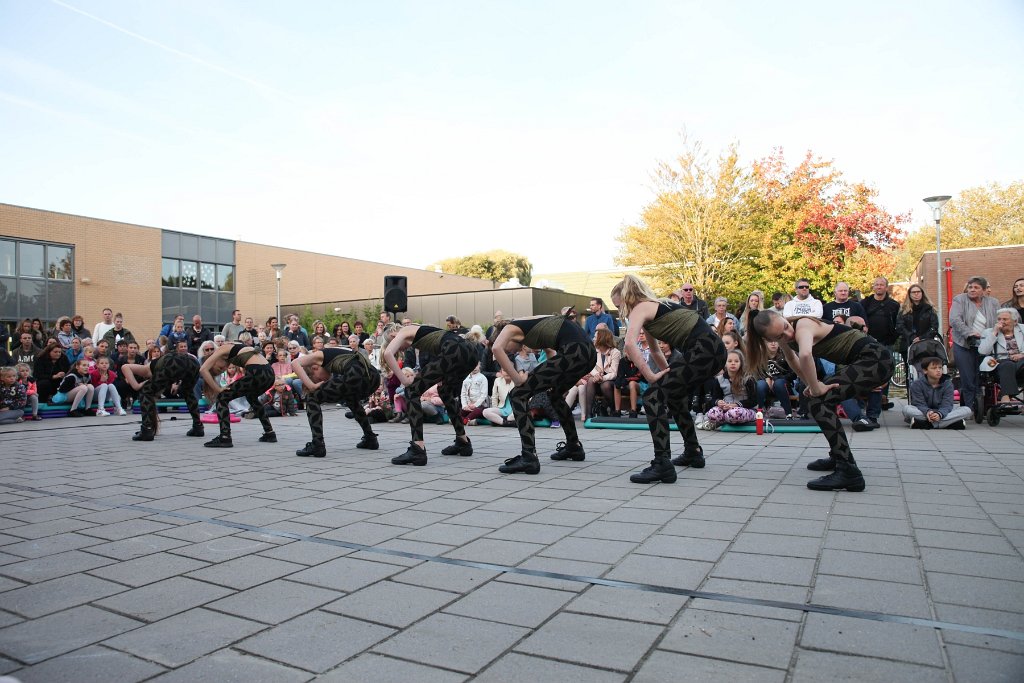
(69, 364)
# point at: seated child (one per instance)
(102, 379)
(26, 379)
(931, 400)
(12, 397)
(278, 401)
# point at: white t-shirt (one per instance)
(101, 329)
(809, 306)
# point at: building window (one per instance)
(36, 280)
(198, 277)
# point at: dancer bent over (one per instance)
(863, 365)
(453, 359)
(154, 379)
(331, 376)
(258, 378)
(571, 355)
(669, 390)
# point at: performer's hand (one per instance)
(819, 390)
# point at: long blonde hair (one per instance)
(632, 291)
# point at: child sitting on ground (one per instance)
(735, 396)
(931, 400)
(278, 401)
(102, 379)
(26, 379)
(12, 397)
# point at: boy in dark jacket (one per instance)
(931, 400)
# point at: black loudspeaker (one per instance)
(395, 294)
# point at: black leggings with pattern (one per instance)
(256, 380)
(871, 368)
(456, 360)
(171, 368)
(353, 387)
(702, 357)
(555, 376)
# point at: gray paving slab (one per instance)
(158, 600)
(40, 639)
(316, 641)
(391, 603)
(453, 642)
(39, 599)
(274, 602)
(380, 669)
(90, 665)
(519, 668)
(591, 640)
(179, 639)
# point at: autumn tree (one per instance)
(986, 216)
(813, 223)
(694, 229)
(497, 265)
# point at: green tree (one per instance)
(498, 264)
(694, 229)
(985, 216)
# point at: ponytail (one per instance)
(757, 346)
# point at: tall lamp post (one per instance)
(936, 204)
(278, 267)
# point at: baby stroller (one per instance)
(918, 351)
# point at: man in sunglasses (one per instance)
(688, 299)
(803, 303)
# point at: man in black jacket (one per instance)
(688, 299)
(881, 313)
(197, 334)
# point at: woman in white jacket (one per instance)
(474, 395)
(1005, 343)
(500, 412)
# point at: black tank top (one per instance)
(674, 324)
(550, 332)
(429, 339)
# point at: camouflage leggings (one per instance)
(555, 376)
(167, 370)
(256, 380)
(872, 368)
(703, 357)
(353, 387)
(456, 360)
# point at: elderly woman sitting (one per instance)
(1005, 343)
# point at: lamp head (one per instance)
(936, 203)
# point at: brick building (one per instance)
(999, 265)
(54, 264)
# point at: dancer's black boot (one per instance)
(661, 469)
(312, 450)
(847, 476)
(573, 451)
(822, 464)
(527, 463)
(369, 442)
(690, 458)
(414, 456)
(459, 447)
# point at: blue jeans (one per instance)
(779, 389)
(967, 362)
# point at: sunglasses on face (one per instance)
(687, 289)
(803, 286)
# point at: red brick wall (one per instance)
(999, 265)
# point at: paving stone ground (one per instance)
(91, 590)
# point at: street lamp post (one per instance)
(278, 267)
(935, 204)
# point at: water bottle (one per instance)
(760, 422)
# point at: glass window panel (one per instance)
(207, 249)
(31, 260)
(189, 304)
(33, 298)
(207, 276)
(208, 309)
(190, 247)
(170, 244)
(59, 262)
(7, 266)
(60, 299)
(225, 304)
(189, 274)
(170, 276)
(225, 251)
(9, 298)
(225, 278)
(171, 304)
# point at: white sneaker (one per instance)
(101, 413)
(121, 412)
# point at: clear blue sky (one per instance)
(436, 129)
